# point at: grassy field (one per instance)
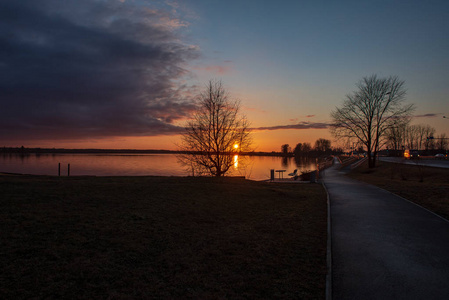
(426, 186)
(161, 237)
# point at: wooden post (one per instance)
(68, 170)
(59, 169)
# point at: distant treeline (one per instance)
(24, 150)
(322, 147)
(62, 150)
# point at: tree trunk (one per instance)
(370, 159)
(374, 159)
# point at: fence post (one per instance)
(59, 169)
(68, 170)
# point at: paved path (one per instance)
(384, 247)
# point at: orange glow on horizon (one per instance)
(263, 141)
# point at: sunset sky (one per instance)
(124, 73)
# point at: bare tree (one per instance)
(412, 137)
(302, 149)
(306, 148)
(322, 145)
(442, 142)
(286, 149)
(216, 133)
(421, 135)
(409, 136)
(367, 113)
(298, 149)
(396, 135)
(429, 131)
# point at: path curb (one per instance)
(329, 249)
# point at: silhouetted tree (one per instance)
(422, 136)
(367, 113)
(396, 134)
(298, 149)
(412, 137)
(337, 150)
(442, 142)
(285, 149)
(429, 131)
(306, 148)
(217, 132)
(302, 149)
(322, 145)
(409, 136)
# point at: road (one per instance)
(424, 162)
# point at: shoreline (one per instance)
(285, 180)
(24, 151)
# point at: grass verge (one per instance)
(160, 237)
(426, 186)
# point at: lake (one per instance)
(252, 167)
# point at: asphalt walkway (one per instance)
(383, 246)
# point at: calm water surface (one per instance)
(252, 167)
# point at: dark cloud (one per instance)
(86, 68)
(434, 115)
(301, 125)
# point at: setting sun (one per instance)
(236, 146)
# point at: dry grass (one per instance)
(155, 237)
(426, 186)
